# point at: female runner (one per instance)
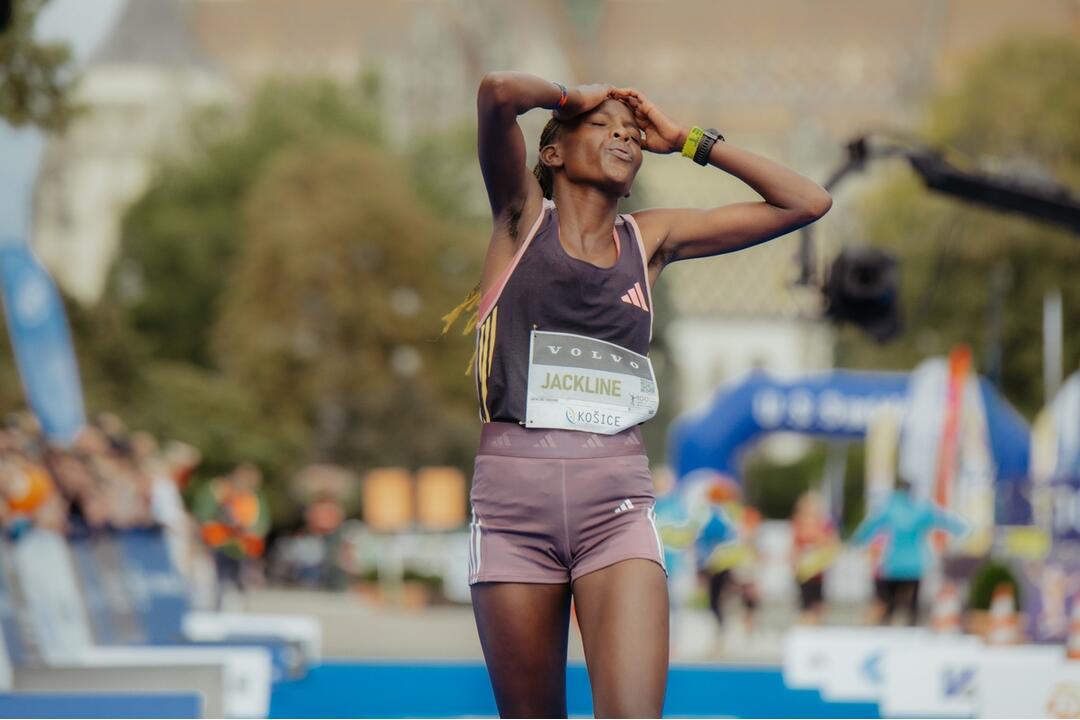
(562, 500)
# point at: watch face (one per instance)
(701, 157)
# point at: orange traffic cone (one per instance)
(945, 616)
(1072, 643)
(1004, 622)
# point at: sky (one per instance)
(83, 24)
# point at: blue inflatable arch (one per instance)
(836, 404)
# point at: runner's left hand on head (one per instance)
(662, 134)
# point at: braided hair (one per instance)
(543, 173)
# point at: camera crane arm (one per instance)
(1051, 203)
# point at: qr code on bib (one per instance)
(648, 386)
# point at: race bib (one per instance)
(578, 383)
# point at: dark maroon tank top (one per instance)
(546, 289)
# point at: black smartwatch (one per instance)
(708, 138)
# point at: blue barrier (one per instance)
(131, 593)
(455, 689)
(160, 599)
(14, 646)
(109, 606)
(158, 590)
(100, 705)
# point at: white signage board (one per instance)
(843, 663)
(935, 679)
(5, 664)
(1027, 681)
(806, 658)
(856, 667)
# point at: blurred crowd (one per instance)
(108, 479)
(710, 533)
(114, 479)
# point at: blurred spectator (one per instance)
(299, 558)
(677, 531)
(166, 504)
(324, 516)
(235, 520)
(28, 495)
(315, 553)
(815, 545)
(323, 519)
(725, 549)
(906, 523)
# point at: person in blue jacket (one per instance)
(905, 523)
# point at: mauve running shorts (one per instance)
(549, 506)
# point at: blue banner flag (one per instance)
(41, 342)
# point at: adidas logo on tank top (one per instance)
(635, 297)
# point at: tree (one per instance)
(180, 237)
(37, 77)
(1017, 109)
(191, 253)
(332, 316)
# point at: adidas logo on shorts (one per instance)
(592, 442)
(545, 442)
(624, 506)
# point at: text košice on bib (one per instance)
(578, 383)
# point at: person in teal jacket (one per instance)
(905, 523)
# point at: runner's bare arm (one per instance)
(502, 97)
(501, 145)
(790, 200)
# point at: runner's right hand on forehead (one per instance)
(590, 97)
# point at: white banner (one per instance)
(5, 664)
(935, 679)
(973, 483)
(58, 619)
(857, 667)
(845, 664)
(1027, 681)
(920, 433)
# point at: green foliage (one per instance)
(332, 316)
(986, 578)
(854, 489)
(180, 237)
(35, 77)
(1020, 99)
(773, 488)
(443, 173)
(111, 355)
(252, 310)
(1018, 105)
(11, 391)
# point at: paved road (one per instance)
(355, 627)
